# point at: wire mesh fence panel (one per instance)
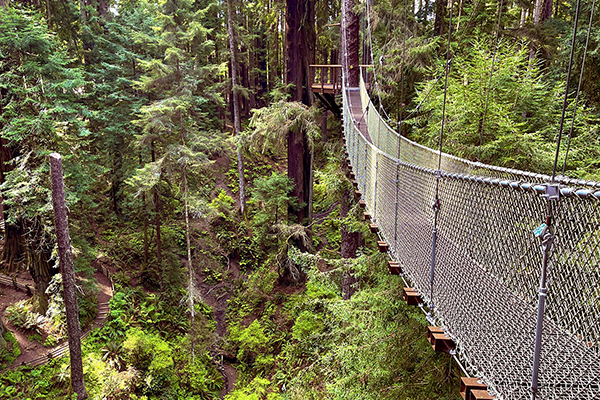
(487, 264)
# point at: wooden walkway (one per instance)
(356, 108)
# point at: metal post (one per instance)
(547, 235)
(365, 169)
(375, 188)
(436, 209)
(397, 182)
(543, 291)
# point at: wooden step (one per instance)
(481, 395)
(411, 296)
(357, 194)
(467, 385)
(431, 330)
(367, 216)
(362, 204)
(383, 246)
(373, 228)
(441, 343)
(394, 268)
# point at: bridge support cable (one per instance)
(545, 231)
(489, 88)
(587, 42)
(438, 173)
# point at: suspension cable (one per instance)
(587, 41)
(564, 108)
(489, 89)
(438, 173)
(545, 232)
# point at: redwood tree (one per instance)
(300, 47)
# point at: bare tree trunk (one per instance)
(157, 219)
(236, 107)
(68, 275)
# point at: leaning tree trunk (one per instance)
(68, 275)
(236, 104)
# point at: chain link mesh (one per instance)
(487, 260)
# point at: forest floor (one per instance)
(32, 349)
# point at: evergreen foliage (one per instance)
(137, 97)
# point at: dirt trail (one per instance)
(32, 350)
(216, 296)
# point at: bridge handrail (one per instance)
(488, 261)
(390, 146)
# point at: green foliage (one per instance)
(152, 356)
(270, 126)
(12, 350)
(307, 324)
(517, 90)
(257, 389)
(252, 342)
(371, 346)
(21, 315)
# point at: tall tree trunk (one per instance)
(188, 243)
(13, 247)
(236, 108)
(300, 42)
(41, 270)
(546, 10)
(350, 43)
(68, 275)
(156, 199)
(440, 14)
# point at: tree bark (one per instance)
(350, 43)
(300, 42)
(68, 275)
(546, 10)
(440, 14)
(236, 107)
(13, 248)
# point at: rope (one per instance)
(587, 41)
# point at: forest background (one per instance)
(231, 235)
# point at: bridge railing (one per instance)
(326, 78)
(488, 260)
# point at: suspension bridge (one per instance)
(481, 281)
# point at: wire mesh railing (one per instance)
(488, 260)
